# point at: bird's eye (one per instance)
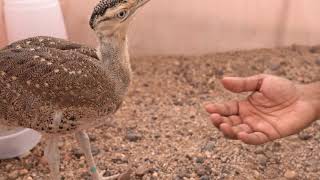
(122, 14)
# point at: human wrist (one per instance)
(311, 93)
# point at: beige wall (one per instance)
(2, 28)
(196, 27)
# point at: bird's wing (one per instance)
(36, 73)
(54, 43)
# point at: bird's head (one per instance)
(110, 16)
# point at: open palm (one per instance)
(275, 109)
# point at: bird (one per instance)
(58, 87)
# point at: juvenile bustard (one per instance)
(58, 87)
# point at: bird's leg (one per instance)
(84, 142)
(53, 157)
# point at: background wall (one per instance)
(196, 27)
(2, 27)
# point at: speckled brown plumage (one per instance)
(43, 75)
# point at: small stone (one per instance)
(78, 153)
(92, 137)
(200, 160)
(95, 151)
(23, 156)
(126, 175)
(304, 136)
(315, 49)
(205, 177)
(201, 171)
(318, 62)
(259, 150)
(209, 146)
(13, 175)
(86, 175)
(182, 175)
(133, 136)
(275, 66)
(219, 72)
(224, 159)
(8, 166)
(290, 174)
(120, 159)
(157, 135)
(23, 172)
(142, 170)
(262, 159)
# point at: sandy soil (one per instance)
(162, 131)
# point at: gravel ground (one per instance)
(162, 132)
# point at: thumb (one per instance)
(248, 84)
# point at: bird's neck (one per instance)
(113, 52)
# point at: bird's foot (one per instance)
(124, 176)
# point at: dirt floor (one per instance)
(162, 131)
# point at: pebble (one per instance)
(275, 66)
(318, 62)
(23, 172)
(133, 136)
(304, 136)
(120, 159)
(78, 153)
(126, 175)
(209, 146)
(86, 176)
(201, 171)
(8, 166)
(315, 49)
(182, 174)
(144, 169)
(200, 160)
(13, 174)
(259, 150)
(219, 72)
(262, 159)
(205, 177)
(92, 137)
(290, 174)
(157, 135)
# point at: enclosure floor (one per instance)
(170, 135)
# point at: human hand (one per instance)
(277, 108)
